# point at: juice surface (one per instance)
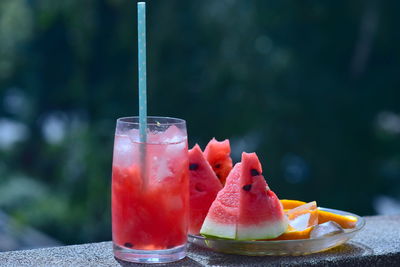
(150, 215)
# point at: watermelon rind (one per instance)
(271, 230)
(212, 228)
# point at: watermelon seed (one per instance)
(219, 176)
(217, 166)
(199, 187)
(128, 245)
(254, 172)
(247, 187)
(193, 166)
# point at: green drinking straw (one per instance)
(141, 6)
(142, 70)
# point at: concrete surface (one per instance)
(378, 244)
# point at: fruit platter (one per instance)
(233, 210)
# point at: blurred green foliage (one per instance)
(311, 86)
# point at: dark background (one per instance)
(311, 86)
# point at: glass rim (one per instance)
(134, 120)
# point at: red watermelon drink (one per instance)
(150, 190)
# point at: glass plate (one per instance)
(279, 247)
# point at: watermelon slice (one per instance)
(261, 214)
(218, 155)
(221, 220)
(204, 186)
(245, 209)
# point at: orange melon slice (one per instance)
(345, 221)
(292, 234)
(288, 204)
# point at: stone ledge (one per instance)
(378, 244)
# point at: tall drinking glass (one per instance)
(150, 190)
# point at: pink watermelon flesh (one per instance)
(254, 210)
(204, 186)
(218, 155)
(221, 220)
